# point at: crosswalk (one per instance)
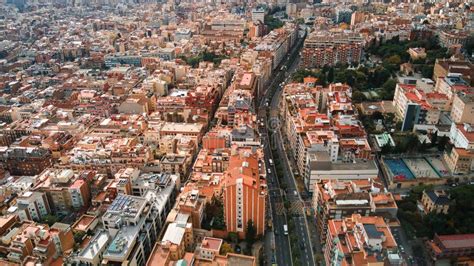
(296, 208)
(280, 208)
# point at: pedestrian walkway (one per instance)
(297, 208)
(280, 208)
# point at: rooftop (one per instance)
(457, 241)
(121, 245)
(95, 245)
(211, 243)
(174, 234)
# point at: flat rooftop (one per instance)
(126, 205)
(182, 127)
(122, 244)
(95, 245)
(174, 234)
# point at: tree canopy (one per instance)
(459, 220)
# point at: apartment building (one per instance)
(107, 153)
(160, 189)
(452, 84)
(360, 240)
(258, 14)
(277, 43)
(324, 135)
(415, 106)
(92, 254)
(459, 159)
(445, 247)
(194, 130)
(340, 199)
(463, 108)
(133, 225)
(450, 38)
(328, 49)
(26, 160)
(176, 164)
(445, 66)
(244, 193)
(208, 252)
(66, 189)
(31, 205)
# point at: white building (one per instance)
(320, 167)
(31, 205)
(92, 253)
(258, 15)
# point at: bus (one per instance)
(285, 229)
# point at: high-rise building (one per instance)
(324, 48)
(343, 15)
(244, 193)
(258, 14)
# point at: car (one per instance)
(276, 232)
(454, 185)
(402, 249)
(269, 171)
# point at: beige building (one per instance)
(133, 106)
(435, 201)
(417, 53)
(463, 108)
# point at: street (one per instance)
(283, 252)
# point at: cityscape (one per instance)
(237, 132)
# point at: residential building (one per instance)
(244, 193)
(177, 238)
(66, 189)
(417, 53)
(320, 167)
(445, 66)
(328, 49)
(258, 14)
(459, 159)
(415, 105)
(208, 252)
(451, 84)
(340, 199)
(436, 201)
(26, 160)
(463, 108)
(343, 15)
(277, 43)
(32, 205)
(450, 246)
(359, 240)
(449, 39)
(92, 254)
(133, 224)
